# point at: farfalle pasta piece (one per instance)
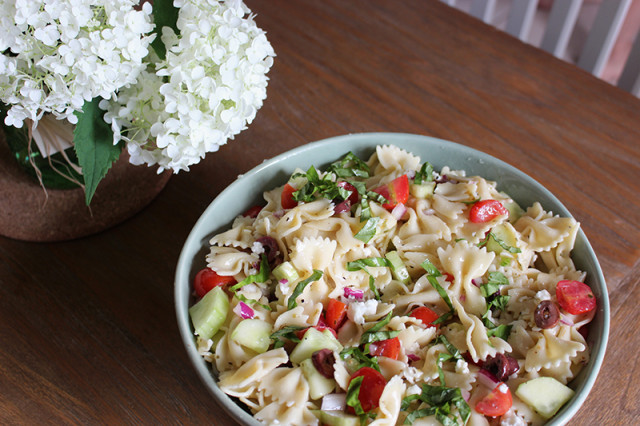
(310, 254)
(542, 231)
(552, 354)
(390, 402)
(243, 381)
(391, 159)
(231, 261)
(297, 216)
(289, 392)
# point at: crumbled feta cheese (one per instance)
(412, 374)
(257, 248)
(543, 295)
(511, 418)
(357, 310)
(462, 367)
(413, 390)
(503, 388)
(283, 286)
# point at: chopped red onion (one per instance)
(465, 394)
(278, 213)
(334, 402)
(488, 379)
(477, 281)
(413, 357)
(355, 293)
(284, 281)
(566, 320)
(243, 310)
(398, 211)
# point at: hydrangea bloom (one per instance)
(207, 90)
(57, 54)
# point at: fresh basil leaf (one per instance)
(350, 165)
(368, 230)
(287, 332)
(360, 358)
(300, 288)
(373, 262)
(455, 352)
(424, 412)
(441, 291)
(430, 268)
(261, 277)
(379, 336)
(353, 392)
(373, 288)
(502, 331)
(489, 289)
(440, 400)
(376, 327)
(425, 174)
(498, 278)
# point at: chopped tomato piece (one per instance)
(286, 199)
(353, 198)
(575, 297)
(252, 211)
(448, 277)
(389, 348)
(496, 403)
(336, 313)
(206, 279)
(396, 192)
(426, 315)
(373, 384)
(487, 210)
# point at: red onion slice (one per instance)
(244, 311)
(564, 319)
(477, 281)
(413, 357)
(488, 379)
(354, 293)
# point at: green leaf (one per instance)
(164, 15)
(353, 392)
(368, 230)
(261, 277)
(374, 262)
(373, 288)
(502, 331)
(360, 358)
(425, 174)
(93, 140)
(288, 332)
(375, 328)
(430, 268)
(350, 165)
(300, 288)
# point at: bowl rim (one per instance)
(198, 237)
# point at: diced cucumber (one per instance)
(286, 271)
(422, 190)
(545, 395)
(313, 341)
(253, 334)
(336, 418)
(209, 313)
(515, 211)
(398, 269)
(504, 233)
(319, 385)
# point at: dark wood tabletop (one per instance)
(87, 327)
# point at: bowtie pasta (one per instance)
(383, 292)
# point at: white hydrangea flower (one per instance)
(57, 54)
(208, 89)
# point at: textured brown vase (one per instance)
(28, 213)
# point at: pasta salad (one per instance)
(381, 291)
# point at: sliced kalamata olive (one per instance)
(323, 360)
(270, 245)
(546, 315)
(501, 366)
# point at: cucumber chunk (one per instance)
(253, 334)
(545, 395)
(422, 190)
(515, 211)
(398, 270)
(286, 271)
(208, 315)
(336, 418)
(313, 341)
(319, 385)
(505, 233)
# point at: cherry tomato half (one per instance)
(575, 297)
(487, 210)
(373, 384)
(426, 315)
(206, 279)
(353, 198)
(286, 199)
(496, 403)
(396, 192)
(336, 313)
(389, 348)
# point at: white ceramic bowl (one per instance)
(247, 191)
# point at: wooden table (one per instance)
(87, 327)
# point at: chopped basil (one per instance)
(441, 401)
(501, 243)
(300, 288)
(317, 186)
(375, 328)
(359, 358)
(353, 392)
(368, 230)
(261, 277)
(381, 335)
(454, 353)
(491, 292)
(373, 288)
(349, 165)
(425, 174)
(288, 332)
(433, 272)
(374, 262)
(502, 331)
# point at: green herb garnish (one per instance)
(425, 174)
(362, 360)
(291, 303)
(441, 401)
(288, 332)
(368, 230)
(261, 277)
(350, 165)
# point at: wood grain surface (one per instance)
(87, 327)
